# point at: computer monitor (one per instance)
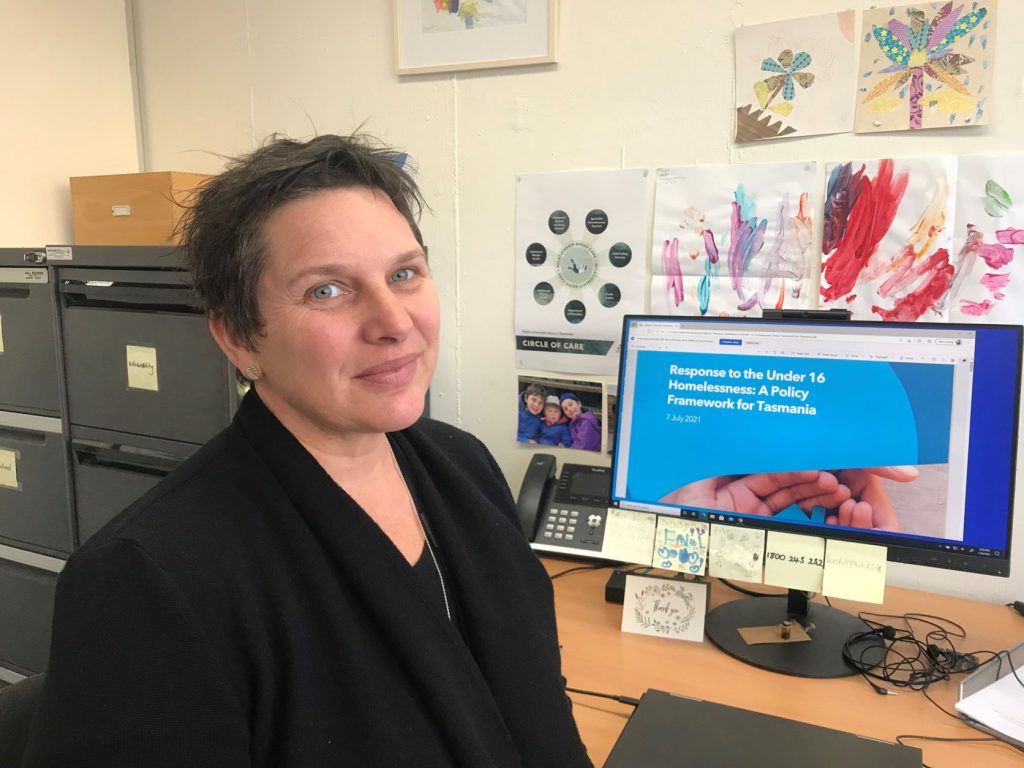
(914, 426)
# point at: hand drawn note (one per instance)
(629, 536)
(142, 373)
(855, 571)
(8, 469)
(736, 553)
(927, 65)
(665, 607)
(794, 561)
(680, 545)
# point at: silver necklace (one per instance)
(426, 538)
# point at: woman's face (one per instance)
(350, 315)
(571, 408)
(534, 404)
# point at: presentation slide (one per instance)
(716, 432)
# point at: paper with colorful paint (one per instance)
(988, 286)
(730, 240)
(927, 65)
(887, 238)
(794, 77)
(580, 237)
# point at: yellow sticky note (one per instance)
(680, 545)
(629, 536)
(142, 373)
(736, 552)
(794, 561)
(855, 571)
(8, 469)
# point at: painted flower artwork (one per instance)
(926, 66)
(455, 15)
(799, 87)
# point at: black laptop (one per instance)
(668, 730)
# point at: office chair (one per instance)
(18, 705)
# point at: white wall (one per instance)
(66, 109)
(636, 85)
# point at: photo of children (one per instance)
(559, 412)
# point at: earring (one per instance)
(252, 373)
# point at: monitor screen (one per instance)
(899, 434)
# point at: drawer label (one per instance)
(142, 373)
(9, 469)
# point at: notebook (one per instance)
(669, 730)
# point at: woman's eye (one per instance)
(406, 273)
(325, 291)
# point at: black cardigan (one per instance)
(247, 612)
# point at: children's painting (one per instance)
(731, 240)
(454, 15)
(564, 413)
(794, 77)
(988, 285)
(887, 238)
(927, 65)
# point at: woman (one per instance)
(332, 580)
(584, 426)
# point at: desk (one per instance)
(597, 656)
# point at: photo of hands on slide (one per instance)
(852, 498)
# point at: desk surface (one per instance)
(597, 656)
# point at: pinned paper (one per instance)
(629, 536)
(855, 571)
(736, 553)
(8, 469)
(142, 373)
(665, 607)
(680, 545)
(793, 561)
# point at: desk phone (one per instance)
(564, 514)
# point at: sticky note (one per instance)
(736, 553)
(629, 536)
(142, 372)
(793, 561)
(680, 545)
(665, 607)
(855, 571)
(8, 469)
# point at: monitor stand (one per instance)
(822, 656)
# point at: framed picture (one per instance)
(448, 35)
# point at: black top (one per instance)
(247, 612)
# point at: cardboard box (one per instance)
(130, 208)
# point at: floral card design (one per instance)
(988, 286)
(887, 238)
(927, 65)
(665, 607)
(794, 77)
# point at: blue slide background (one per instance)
(868, 414)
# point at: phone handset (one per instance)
(535, 492)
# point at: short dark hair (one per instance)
(221, 232)
(535, 389)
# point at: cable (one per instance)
(746, 591)
(621, 699)
(578, 568)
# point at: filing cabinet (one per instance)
(26, 594)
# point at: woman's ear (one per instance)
(234, 348)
